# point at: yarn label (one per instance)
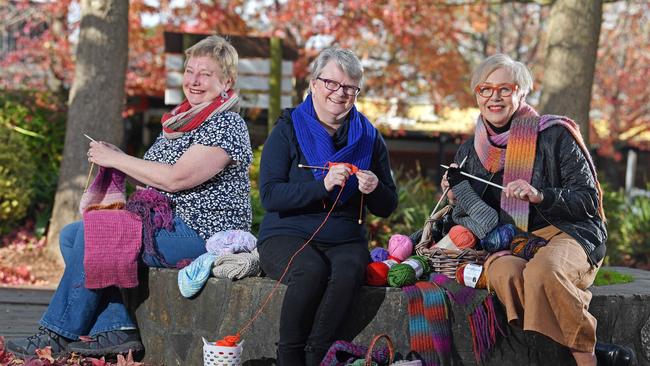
(471, 274)
(416, 266)
(390, 262)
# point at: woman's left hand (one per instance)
(103, 154)
(522, 190)
(368, 181)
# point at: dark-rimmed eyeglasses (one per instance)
(486, 90)
(349, 90)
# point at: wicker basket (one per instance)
(445, 261)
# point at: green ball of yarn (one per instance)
(404, 274)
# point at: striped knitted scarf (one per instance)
(429, 324)
(514, 152)
(185, 117)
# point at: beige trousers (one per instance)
(548, 294)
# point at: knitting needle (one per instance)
(444, 193)
(92, 165)
(477, 178)
(313, 167)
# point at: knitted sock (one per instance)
(192, 278)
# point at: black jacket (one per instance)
(562, 173)
(297, 203)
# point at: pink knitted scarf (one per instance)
(514, 152)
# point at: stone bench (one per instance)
(172, 326)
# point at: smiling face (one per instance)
(498, 109)
(332, 106)
(203, 80)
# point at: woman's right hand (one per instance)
(337, 175)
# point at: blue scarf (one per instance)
(317, 145)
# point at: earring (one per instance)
(224, 95)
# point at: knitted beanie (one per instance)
(231, 242)
(107, 191)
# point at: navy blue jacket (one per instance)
(297, 203)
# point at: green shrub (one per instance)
(628, 228)
(33, 130)
(416, 198)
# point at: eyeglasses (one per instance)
(349, 90)
(486, 90)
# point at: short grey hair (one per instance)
(346, 59)
(221, 51)
(518, 71)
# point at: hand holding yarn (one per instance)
(454, 176)
(368, 181)
(337, 175)
(104, 154)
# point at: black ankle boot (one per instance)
(613, 355)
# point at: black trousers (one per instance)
(321, 283)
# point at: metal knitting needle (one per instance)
(477, 178)
(444, 193)
(313, 167)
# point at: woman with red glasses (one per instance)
(324, 275)
(551, 190)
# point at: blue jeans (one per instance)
(75, 310)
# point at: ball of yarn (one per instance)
(400, 246)
(409, 271)
(462, 237)
(526, 245)
(460, 277)
(499, 238)
(379, 254)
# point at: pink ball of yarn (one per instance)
(400, 246)
(462, 237)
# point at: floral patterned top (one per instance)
(223, 201)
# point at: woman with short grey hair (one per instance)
(326, 265)
(552, 192)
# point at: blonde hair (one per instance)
(517, 70)
(221, 51)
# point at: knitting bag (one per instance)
(444, 260)
(343, 353)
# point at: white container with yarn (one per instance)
(221, 355)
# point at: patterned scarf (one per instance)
(186, 117)
(317, 145)
(514, 152)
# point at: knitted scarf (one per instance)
(186, 117)
(514, 152)
(317, 145)
(429, 324)
(144, 202)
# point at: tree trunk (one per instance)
(574, 29)
(95, 105)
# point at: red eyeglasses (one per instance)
(486, 90)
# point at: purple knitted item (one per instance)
(112, 241)
(143, 202)
(108, 188)
(343, 353)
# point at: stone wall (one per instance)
(172, 326)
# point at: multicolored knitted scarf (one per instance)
(429, 324)
(317, 145)
(514, 152)
(186, 117)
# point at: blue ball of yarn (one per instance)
(379, 254)
(499, 238)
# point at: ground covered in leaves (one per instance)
(44, 358)
(24, 261)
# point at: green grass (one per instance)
(607, 277)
